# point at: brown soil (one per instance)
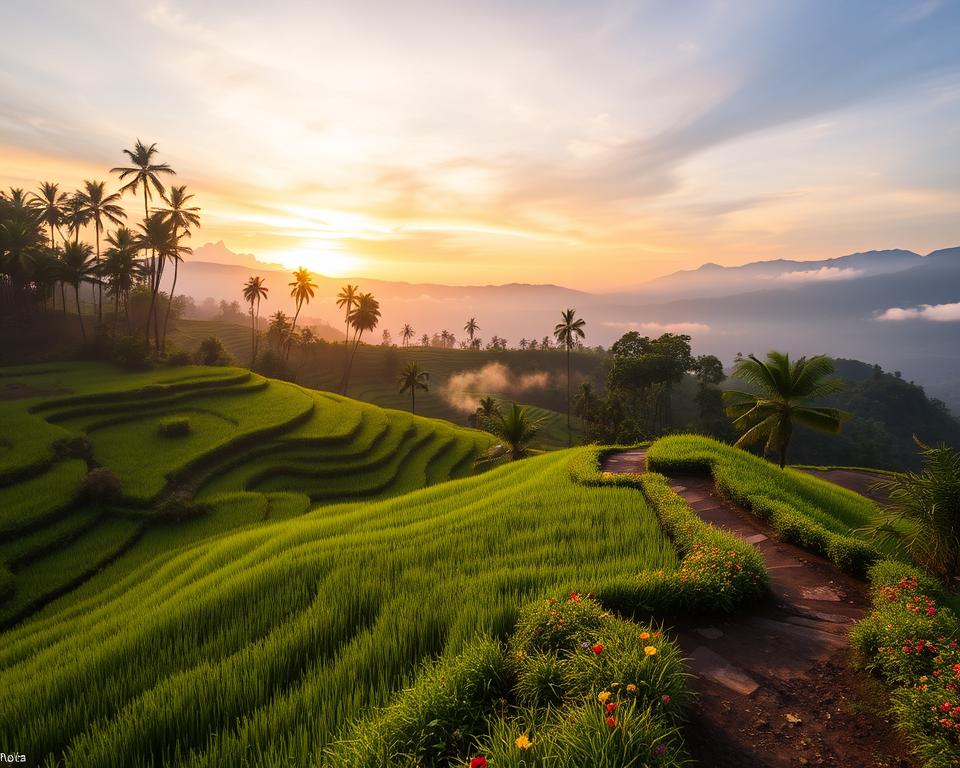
(777, 687)
(857, 480)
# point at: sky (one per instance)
(590, 144)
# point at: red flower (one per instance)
(478, 762)
(612, 722)
(575, 597)
(665, 698)
(611, 707)
(598, 649)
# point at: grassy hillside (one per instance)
(263, 643)
(171, 434)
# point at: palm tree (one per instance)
(301, 290)
(784, 393)
(517, 429)
(253, 291)
(407, 333)
(50, 202)
(364, 317)
(120, 266)
(182, 216)
(78, 267)
(567, 332)
(922, 514)
(413, 378)
(471, 328)
(144, 173)
(75, 216)
(98, 205)
(425, 340)
(347, 300)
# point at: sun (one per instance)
(325, 259)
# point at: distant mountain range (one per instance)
(895, 307)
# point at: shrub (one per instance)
(179, 358)
(175, 426)
(101, 485)
(180, 506)
(271, 363)
(911, 639)
(211, 352)
(131, 353)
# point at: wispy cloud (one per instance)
(823, 274)
(940, 313)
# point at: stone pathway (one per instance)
(775, 686)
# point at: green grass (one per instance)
(805, 510)
(30, 503)
(266, 642)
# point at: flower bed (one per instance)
(911, 639)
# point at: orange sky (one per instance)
(595, 146)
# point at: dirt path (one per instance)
(776, 687)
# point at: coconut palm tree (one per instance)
(50, 202)
(471, 328)
(121, 267)
(347, 300)
(567, 332)
(98, 205)
(182, 216)
(144, 174)
(78, 267)
(922, 514)
(412, 378)
(516, 428)
(75, 216)
(784, 393)
(253, 291)
(157, 236)
(301, 290)
(364, 317)
(407, 333)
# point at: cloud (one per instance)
(821, 275)
(658, 327)
(940, 313)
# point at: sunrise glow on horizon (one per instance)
(591, 145)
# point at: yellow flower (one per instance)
(650, 650)
(631, 688)
(523, 742)
(644, 635)
(603, 696)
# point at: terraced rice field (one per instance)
(289, 449)
(261, 645)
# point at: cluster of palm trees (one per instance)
(41, 247)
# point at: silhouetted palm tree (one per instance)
(784, 393)
(364, 317)
(413, 378)
(347, 300)
(253, 291)
(75, 216)
(121, 267)
(471, 328)
(78, 268)
(143, 173)
(98, 205)
(50, 202)
(301, 290)
(157, 236)
(182, 216)
(407, 333)
(567, 332)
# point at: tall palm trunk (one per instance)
(96, 228)
(569, 431)
(413, 400)
(293, 327)
(76, 293)
(173, 288)
(253, 336)
(153, 269)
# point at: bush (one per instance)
(180, 506)
(911, 639)
(131, 353)
(175, 426)
(211, 352)
(101, 485)
(179, 358)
